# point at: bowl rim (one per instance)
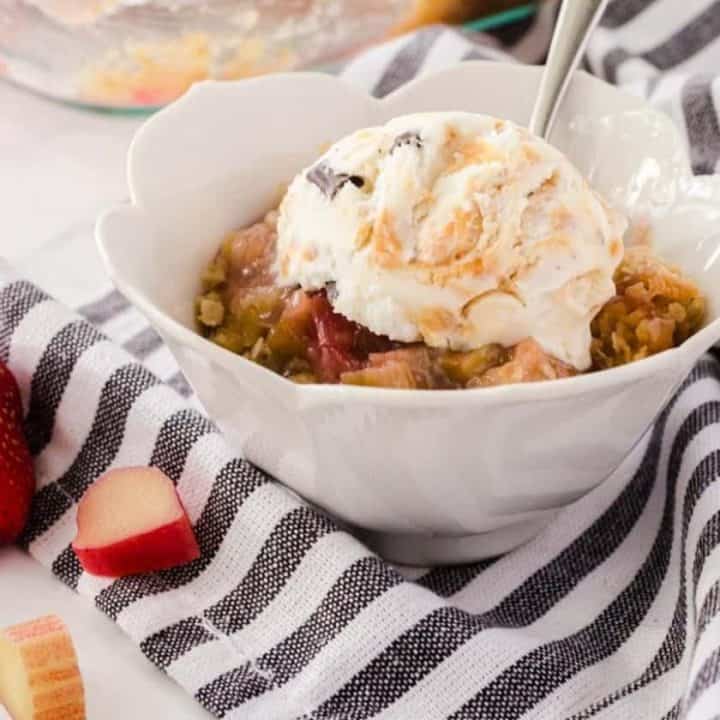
(668, 361)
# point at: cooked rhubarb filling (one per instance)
(298, 334)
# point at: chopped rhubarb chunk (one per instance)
(420, 362)
(528, 363)
(295, 327)
(391, 375)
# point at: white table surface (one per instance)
(59, 167)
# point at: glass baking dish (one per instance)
(134, 54)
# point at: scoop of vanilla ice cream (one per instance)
(454, 229)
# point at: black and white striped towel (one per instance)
(612, 612)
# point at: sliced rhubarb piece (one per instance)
(332, 329)
(251, 254)
(331, 354)
(419, 360)
(461, 367)
(39, 674)
(390, 375)
(340, 345)
(330, 363)
(528, 363)
(295, 328)
(132, 521)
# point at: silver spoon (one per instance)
(576, 20)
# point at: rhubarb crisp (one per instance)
(297, 333)
(442, 251)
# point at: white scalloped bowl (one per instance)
(429, 476)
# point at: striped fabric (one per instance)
(612, 612)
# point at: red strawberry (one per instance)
(17, 479)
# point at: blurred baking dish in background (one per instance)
(135, 54)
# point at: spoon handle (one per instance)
(575, 22)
